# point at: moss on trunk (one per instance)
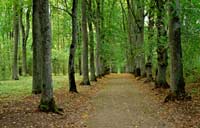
(49, 106)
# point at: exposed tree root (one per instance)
(177, 96)
(36, 92)
(164, 85)
(50, 107)
(73, 91)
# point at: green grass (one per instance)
(15, 89)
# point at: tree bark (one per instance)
(161, 50)
(25, 34)
(148, 64)
(98, 39)
(141, 37)
(91, 42)
(16, 41)
(162, 67)
(102, 39)
(47, 102)
(37, 55)
(85, 44)
(176, 72)
(72, 82)
(136, 10)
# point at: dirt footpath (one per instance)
(122, 105)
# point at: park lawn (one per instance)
(18, 89)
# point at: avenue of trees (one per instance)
(155, 39)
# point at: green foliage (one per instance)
(114, 46)
(59, 61)
(190, 39)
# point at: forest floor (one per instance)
(115, 101)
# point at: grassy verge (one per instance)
(14, 90)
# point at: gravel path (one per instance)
(122, 105)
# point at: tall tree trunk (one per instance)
(47, 102)
(161, 50)
(85, 44)
(131, 38)
(137, 34)
(98, 39)
(141, 37)
(16, 41)
(103, 65)
(37, 55)
(177, 80)
(72, 82)
(148, 64)
(91, 42)
(25, 34)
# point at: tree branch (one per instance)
(62, 9)
(133, 14)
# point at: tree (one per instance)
(136, 10)
(131, 39)
(98, 37)
(37, 55)
(140, 36)
(16, 40)
(148, 64)
(47, 102)
(85, 44)
(91, 41)
(25, 34)
(72, 82)
(176, 72)
(162, 56)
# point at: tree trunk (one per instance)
(136, 13)
(148, 67)
(102, 36)
(162, 67)
(47, 102)
(25, 34)
(98, 39)
(72, 82)
(150, 42)
(91, 40)
(80, 64)
(37, 56)
(85, 44)
(177, 80)
(141, 37)
(79, 43)
(161, 50)
(131, 39)
(16, 41)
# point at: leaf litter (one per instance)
(77, 107)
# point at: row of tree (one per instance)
(115, 36)
(168, 29)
